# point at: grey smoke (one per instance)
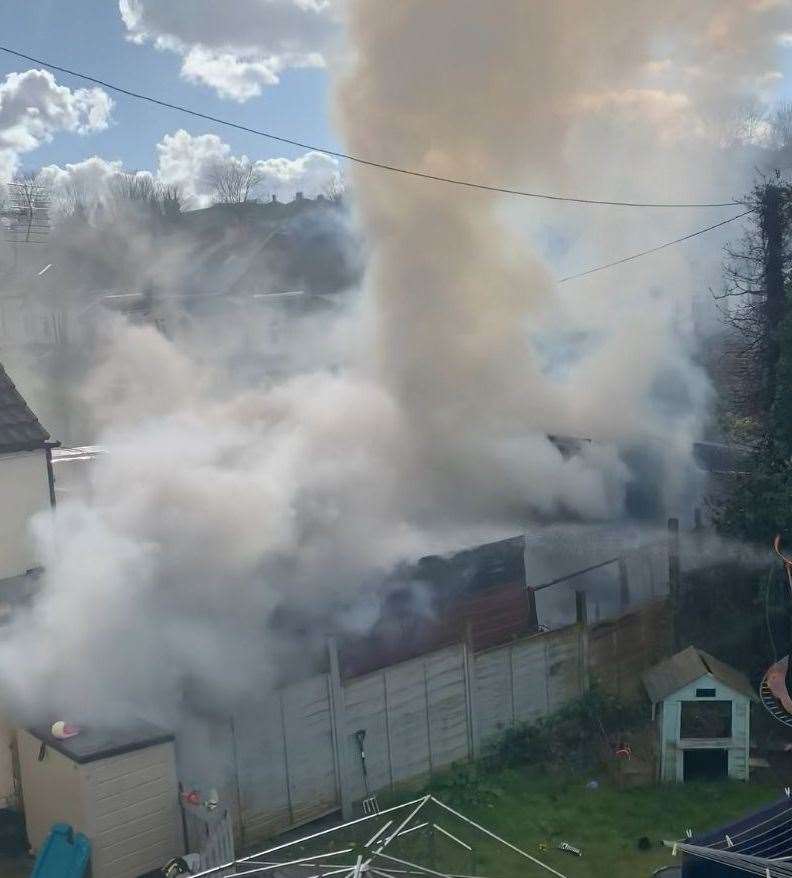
(420, 423)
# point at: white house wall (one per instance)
(24, 491)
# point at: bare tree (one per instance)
(139, 195)
(73, 199)
(780, 122)
(234, 181)
(172, 200)
(133, 187)
(748, 123)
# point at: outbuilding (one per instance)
(702, 707)
(118, 787)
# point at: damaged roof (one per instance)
(20, 429)
(688, 666)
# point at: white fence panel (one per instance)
(449, 739)
(408, 720)
(493, 698)
(310, 753)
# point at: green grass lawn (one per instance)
(529, 807)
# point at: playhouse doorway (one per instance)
(706, 764)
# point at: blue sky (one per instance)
(89, 35)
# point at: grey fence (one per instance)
(295, 752)
(297, 757)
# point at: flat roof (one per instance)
(94, 743)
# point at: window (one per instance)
(705, 693)
(706, 719)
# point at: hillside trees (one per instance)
(758, 305)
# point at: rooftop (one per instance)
(688, 666)
(20, 429)
(93, 743)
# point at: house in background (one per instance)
(703, 712)
(26, 488)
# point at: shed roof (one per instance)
(94, 743)
(687, 666)
(20, 429)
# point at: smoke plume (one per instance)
(222, 502)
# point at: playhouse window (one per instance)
(706, 719)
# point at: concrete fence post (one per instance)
(624, 585)
(581, 608)
(584, 679)
(338, 714)
(470, 691)
(673, 576)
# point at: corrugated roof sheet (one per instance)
(20, 429)
(687, 666)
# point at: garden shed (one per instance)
(702, 708)
(118, 787)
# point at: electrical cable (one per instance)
(589, 271)
(469, 184)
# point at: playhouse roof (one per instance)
(688, 666)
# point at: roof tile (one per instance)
(20, 429)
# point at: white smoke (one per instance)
(218, 504)
(619, 101)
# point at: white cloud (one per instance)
(236, 48)
(33, 108)
(310, 174)
(238, 79)
(90, 177)
(186, 160)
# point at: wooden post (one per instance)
(581, 609)
(338, 714)
(673, 575)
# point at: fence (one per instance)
(629, 578)
(297, 756)
(210, 834)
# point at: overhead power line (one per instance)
(469, 184)
(589, 271)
